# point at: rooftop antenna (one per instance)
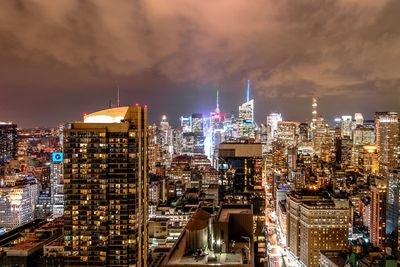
(248, 90)
(218, 99)
(118, 96)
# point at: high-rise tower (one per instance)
(8, 141)
(215, 131)
(105, 176)
(387, 140)
(314, 113)
(246, 116)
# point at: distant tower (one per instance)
(248, 91)
(246, 116)
(314, 113)
(217, 109)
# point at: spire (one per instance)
(248, 91)
(217, 99)
(118, 97)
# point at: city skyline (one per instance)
(340, 52)
(208, 108)
(153, 133)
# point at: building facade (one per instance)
(105, 176)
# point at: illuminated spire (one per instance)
(314, 113)
(248, 91)
(217, 109)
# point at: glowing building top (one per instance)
(314, 113)
(111, 115)
(272, 121)
(246, 116)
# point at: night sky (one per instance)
(60, 59)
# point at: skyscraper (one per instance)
(314, 113)
(387, 140)
(346, 126)
(105, 176)
(287, 133)
(246, 116)
(165, 142)
(193, 137)
(272, 121)
(393, 211)
(198, 134)
(359, 119)
(57, 185)
(378, 212)
(8, 141)
(316, 222)
(215, 133)
(186, 124)
(16, 204)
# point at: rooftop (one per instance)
(111, 115)
(233, 256)
(227, 210)
(179, 258)
(337, 257)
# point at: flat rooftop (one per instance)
(178, 257)
(56, 242)
(336, 257)
(223, 216)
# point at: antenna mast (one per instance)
(118, 96)
(248, 90)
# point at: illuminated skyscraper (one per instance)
(105, 176)
(316, 222)
(152, 148)
(287, 133)
(57, 185)
(16, 205)
(359, 119)
(346, 126)
(8, 141)
(197, 123)
(193, 140)
(393, 211)
(387, 140)
(272, 121)
(198, 134)
(322, 138)
(215, 133)
(165, 134)
(314, 113)
(186, 124)
(246, 116)
(165, 142)
(378, 212)
(363, 135)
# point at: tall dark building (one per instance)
(8, 141)
(105, 176)
(393, 211)
(242, 183)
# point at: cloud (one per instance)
(288, 48)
